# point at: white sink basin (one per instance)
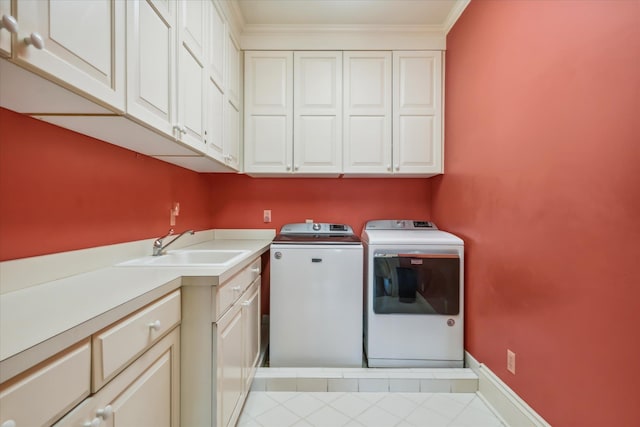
(188, 258)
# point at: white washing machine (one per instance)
(414, 295)
(316, 297)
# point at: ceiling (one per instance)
(439, 14)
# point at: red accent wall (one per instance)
(61, 191)
(542, 182)
(239, 200)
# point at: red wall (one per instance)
(60, 191)
(542, 182)
(239, 200)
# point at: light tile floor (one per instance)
(361, 409)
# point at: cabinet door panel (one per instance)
(268, 106)
(269, 136)
(83, 44)
(318, 82)
(40, 397)
(417, 83)
(230, 360)
(269, 84)
(251, 325)
(415, 128)
(317, 128)
(191, 72)
(233, 57)
(417, 117)
(317, 143)
(217, 45)
(215, 119)
(232, 140)
(150, 57)
(190, 93)
(147, 402)
(367, 105)
(368, 149)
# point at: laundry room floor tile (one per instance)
(345, 409)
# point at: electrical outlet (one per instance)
(511, 361)
(266, 215)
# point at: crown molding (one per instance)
(455, 13)
(342, 37)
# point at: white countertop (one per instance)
(41, 320)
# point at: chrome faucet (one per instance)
(159, 248)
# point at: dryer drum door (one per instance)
(416, 283)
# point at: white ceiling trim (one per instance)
(341, 38)
(455, 13)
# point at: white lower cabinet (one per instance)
(229, 361)
(127, 374)
(46, 392)
(146, 393)
(220, 347)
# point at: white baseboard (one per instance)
(502, 399)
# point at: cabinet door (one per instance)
(268, 106)
(233, 57)
(217, 44)
(146, 393)
(215, 111)
(251, 323)
(5, 35)
(191, 72)
(230, 382)
(84, 45)
(367, 112)
(151, 41)
(42, 394)
(317, 128)
(232, 138)
(215, 83)
(417, 116)
(147, 401)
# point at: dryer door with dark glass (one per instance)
(416, 283)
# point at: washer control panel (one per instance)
(316, 228)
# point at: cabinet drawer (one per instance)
(227, 293)
(45, 393)
(116, 346)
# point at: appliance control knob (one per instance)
(316, 226)
(278, 255)
(451, 322)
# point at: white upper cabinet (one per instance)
(191, 72)
(166, 68)
(232, 106)
(268, 111)
(233, 58)
(78, 43)
(317, 125)
(215, 84)
(217, 43)
(367, 112)
(293, 112)
(417, 112)
(9, 25)
(151, 55)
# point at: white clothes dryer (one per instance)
(414, 295)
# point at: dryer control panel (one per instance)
(400, 224)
